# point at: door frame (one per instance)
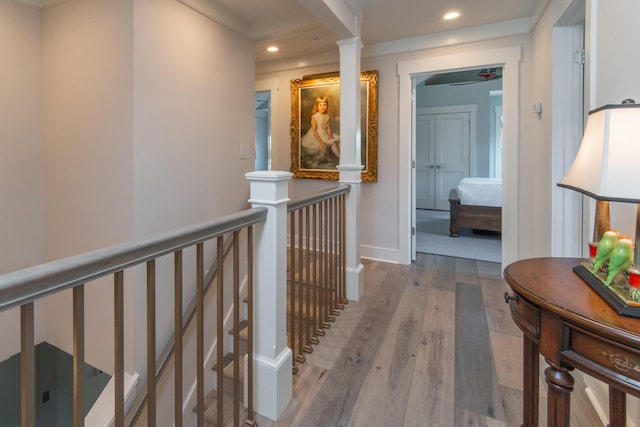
(509, 58)
(569, 218)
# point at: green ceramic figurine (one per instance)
(605, 247)
(621, 258)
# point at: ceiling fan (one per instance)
(466, 77)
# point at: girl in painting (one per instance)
(320, 146)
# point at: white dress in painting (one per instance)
(314, 154)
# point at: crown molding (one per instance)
(40, 4)
(450, 38)
(218, 14)
(32, 3)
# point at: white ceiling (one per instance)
(289, 25)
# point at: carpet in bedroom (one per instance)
(432, 237)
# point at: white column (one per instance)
(273, 359)
(350, 159)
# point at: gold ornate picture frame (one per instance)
(315, 132)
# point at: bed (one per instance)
(476, 204)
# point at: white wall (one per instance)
(193, 108)
(138, 109)
(21, 162)
(612, 64)
(380, 202)
(88, 133)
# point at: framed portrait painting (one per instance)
(315, 126)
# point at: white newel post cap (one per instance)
(263, 190)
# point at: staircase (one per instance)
(308, 315)
(211, 399)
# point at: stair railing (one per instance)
(316, 282)
(22, 288)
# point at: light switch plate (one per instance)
(245, 152)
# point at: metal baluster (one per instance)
(332, 258)
(325, 266)
(219, 330)
(314, 237)
(78, 356)
(151, 342)
(343, 254)
(308, 285)
(177, 327)
(250, 422)
(118, 336)
(292, 292)
(336, 255)
(200, 335)
(236, 329)
(27, 366)
(300, 317)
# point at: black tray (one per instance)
(617, 295)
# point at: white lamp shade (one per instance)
(607, 166)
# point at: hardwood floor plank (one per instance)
(474, 362)
(465, 418)
(386, 389)
(466, 271)
(507, 354)
(337, 398)
(458, 354)
(432, 393)
(498, 313)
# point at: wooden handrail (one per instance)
(30, 284)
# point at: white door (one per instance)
(425, 161)
(442, 157)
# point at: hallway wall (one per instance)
(21, 157)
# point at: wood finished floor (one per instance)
(429, 344)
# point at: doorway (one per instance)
(263, 130)
(509, 59)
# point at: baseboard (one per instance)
(381, 254)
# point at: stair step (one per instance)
(244, 336)
(227, 376)
(211, 410)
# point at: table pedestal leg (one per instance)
(617, 408)
(560, 384)
(530, 390)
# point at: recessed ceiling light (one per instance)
(451, 15)
(272, 49)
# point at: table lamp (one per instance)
(607, 166)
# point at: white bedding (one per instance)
(480, 191)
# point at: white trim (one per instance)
(509, 58)
(602, 414)
(272, 385)
(496, 30)
(568, 232)
(381, 254)
(430, 41)
(218, 14)
(40, 4)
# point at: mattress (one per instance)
(480, 191)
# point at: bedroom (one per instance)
(458, 135)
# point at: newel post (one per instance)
(272, 358)
(350, 160)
